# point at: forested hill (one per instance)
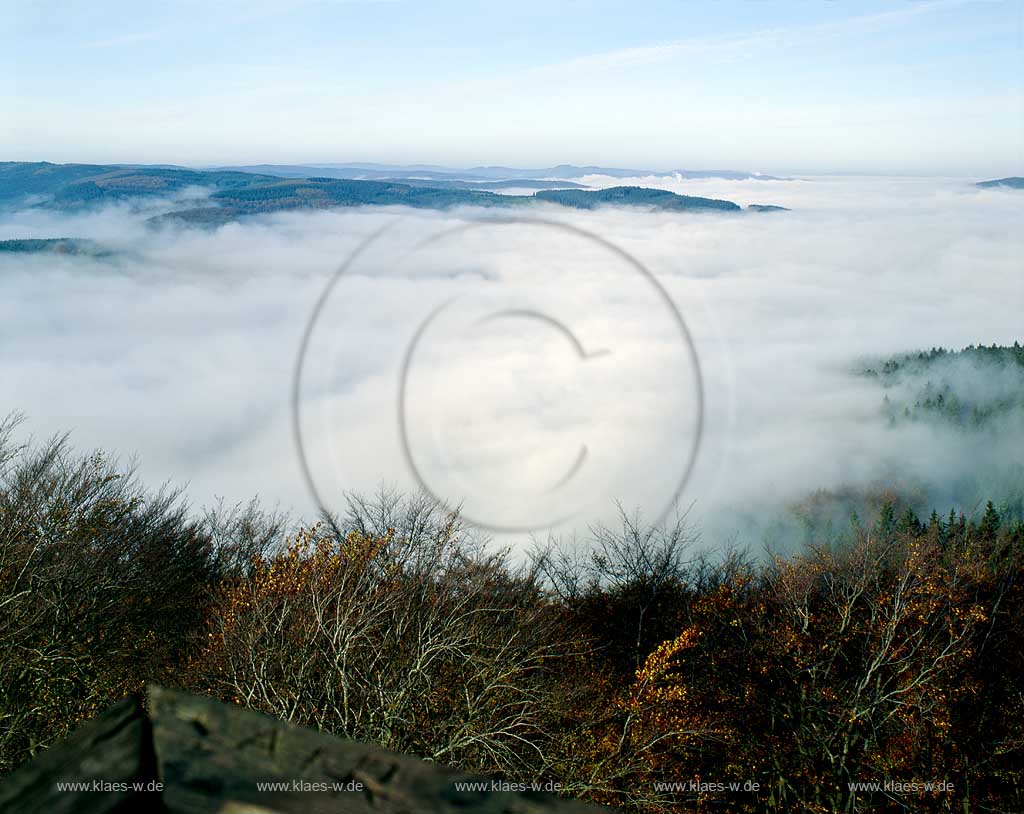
(54, 245)
(325, 193)
(214, 197)
(970, 388)
(631, 196)
(69, 186)
(1013, 182)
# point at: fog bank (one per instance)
(181, 349)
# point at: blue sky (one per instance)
(810, 86)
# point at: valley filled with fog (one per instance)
(179, 345)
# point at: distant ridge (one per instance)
(631, 196)
(65, 186)
(53, 245)
(214, 197)
(413, 175)
(363, 171)
(328, 193)
(1013, 182)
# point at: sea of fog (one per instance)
(534, 373)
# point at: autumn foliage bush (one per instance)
(893, 655)
(635, 671)
(104, 585)
(423, 642)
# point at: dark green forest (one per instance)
(932, 384)
(631, 196)
(1013, 182)
(55, 245)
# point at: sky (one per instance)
(802, 86)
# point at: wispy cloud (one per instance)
(738, 44)
(125, 39)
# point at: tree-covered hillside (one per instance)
(223, 195)
(1013, 182)
(632, 196)
(70, 186)
(969, 388)
(56, 245)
